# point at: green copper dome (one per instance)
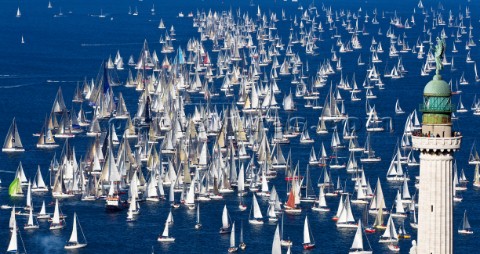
(437, 87)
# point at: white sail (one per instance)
(12, 140)
(241, 180)
(322, 202)
(190, 200)
(56, 214)
(225, 223)
(42, 210)
(390, 232)
(74, 235)
(358, 240)
(232, 236)
(13, 246)
(165, 230)
(306, 231)
(12, 222)
(257, 213)
(276, 245)
(39, 180)
(30, 218)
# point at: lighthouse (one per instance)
(437, 142)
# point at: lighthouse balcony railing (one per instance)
(423, 142)
(437, 108)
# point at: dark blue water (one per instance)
(62, 51)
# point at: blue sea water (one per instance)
(61, 51)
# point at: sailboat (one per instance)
(305, 137)
(165, 236)
(19, 13)
(390, 235)
(345, 218)
(43, 214)
(225, 229)
(73, 242)
(13, 244)
(15, 188)
(49, 5)
(256, 216)
(399, 209)
(465, 225)
(461, 108)
(31, 224)
(321, 203)
(398, 109)
(13, 143)
(233, 247)
(38, 183)
(308, 241)
(291, 205)
(357, 245)
(57, 222)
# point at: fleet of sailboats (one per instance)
(202, 153)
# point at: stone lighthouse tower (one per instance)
(436, 142)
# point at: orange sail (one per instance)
(291, 199)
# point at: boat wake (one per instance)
(7, 76)
(17, 86)
(6, 171)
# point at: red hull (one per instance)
(308, 246)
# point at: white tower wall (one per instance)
(435, 233)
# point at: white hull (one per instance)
(56, 226)
(75, 246)
(30, 227)
(388, 240)
(44, 189)
(321, 209)
(62, 195)
(359, 201)
(293, 211)
(465, 232)
(43, 216)
(12, 150)
(255, 222)
(346, 225)
(165, 239)
(48, 146)
(64, 135)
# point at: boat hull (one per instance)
(165, 239)
(75, 246)
(308, 246)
